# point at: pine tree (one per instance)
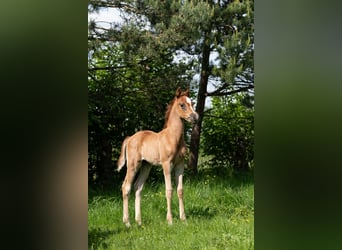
(216, 38)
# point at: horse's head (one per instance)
(184, 106)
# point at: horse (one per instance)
(166, 148)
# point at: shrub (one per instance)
(228, 132)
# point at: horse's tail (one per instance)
(122, 158)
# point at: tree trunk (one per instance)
(202, 91)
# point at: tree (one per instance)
(214, 39)
(229, 32)
(125, 94)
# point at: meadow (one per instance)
(219, 210)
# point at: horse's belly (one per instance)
(151, 157)
(150, 154)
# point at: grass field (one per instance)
(220, 215)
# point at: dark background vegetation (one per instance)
(136, 65)
(44, 125)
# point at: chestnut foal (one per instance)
(166, 148)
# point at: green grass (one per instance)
(220, 215)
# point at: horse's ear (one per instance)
(186, 93)
(178, 92)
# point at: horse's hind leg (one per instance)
(138, 186)
(132, 168)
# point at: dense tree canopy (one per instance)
(135, 66)
(228, 132)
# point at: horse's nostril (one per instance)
(194, 117)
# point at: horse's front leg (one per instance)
(179, 170)
(168, 190)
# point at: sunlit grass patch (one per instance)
(220, 215)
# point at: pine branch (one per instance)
(111, 4)
(93, 77)
(107, 68)
(224, 86)
(219, 93)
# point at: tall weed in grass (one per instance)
(220, 215)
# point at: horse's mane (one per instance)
(169, 106)
(168, 111)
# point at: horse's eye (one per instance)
(182, 105)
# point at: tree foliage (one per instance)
(228, 132)
(135, 66)
(125, 95)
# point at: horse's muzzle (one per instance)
(194, 117)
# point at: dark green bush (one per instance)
(228, 132)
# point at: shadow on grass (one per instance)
(218, 175)
(106, 192)
(97, 237)
(199, 212)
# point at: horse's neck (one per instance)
(175, 126)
